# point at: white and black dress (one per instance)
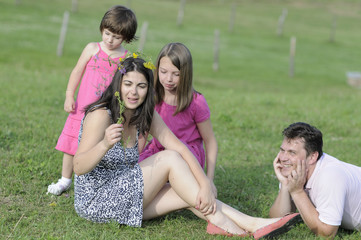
(113, 190)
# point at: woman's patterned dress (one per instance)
(113, 190)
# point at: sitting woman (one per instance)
(110, 184)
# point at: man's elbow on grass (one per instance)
(321, 229)
(325, 230)
(275, 214)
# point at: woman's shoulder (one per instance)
(101, 112)
(98, 117)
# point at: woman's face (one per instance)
(134, 89)
(168, 75)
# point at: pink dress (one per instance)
(184, 126)
(97, 76)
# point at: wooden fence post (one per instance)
(181, 12)
(292, 56)
(333, 29)
(281, 21)
(216, 50)
(74, 6)
(63, 34)
(143, 36)
(233, 17)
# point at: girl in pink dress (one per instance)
(184, 110)
(95, 69)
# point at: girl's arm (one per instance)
(75, 76)
(165, 136)
(98, 136)
(142, 141)
(211, 147)
(206, 131)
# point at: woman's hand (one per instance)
(112, 135)
(206, 200)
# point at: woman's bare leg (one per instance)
(169, 166)
(249, 223)
(167, 200)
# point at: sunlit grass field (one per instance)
(252, 99)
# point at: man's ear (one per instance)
(313, 158)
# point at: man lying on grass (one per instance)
(325, 191)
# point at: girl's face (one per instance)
(168, 75)
(111, 40)
(134, 89)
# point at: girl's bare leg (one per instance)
(168, 165)
(67, 170)
(64, 183)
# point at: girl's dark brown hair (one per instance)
(120, 20)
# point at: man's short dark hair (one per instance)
(311, 136)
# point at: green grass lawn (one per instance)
(252, 99)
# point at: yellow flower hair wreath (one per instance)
(148, 61)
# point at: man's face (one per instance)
(291, 150)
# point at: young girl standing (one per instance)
(184, 110)
(95, 69)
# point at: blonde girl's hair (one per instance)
(120, 20)
(181, 57)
